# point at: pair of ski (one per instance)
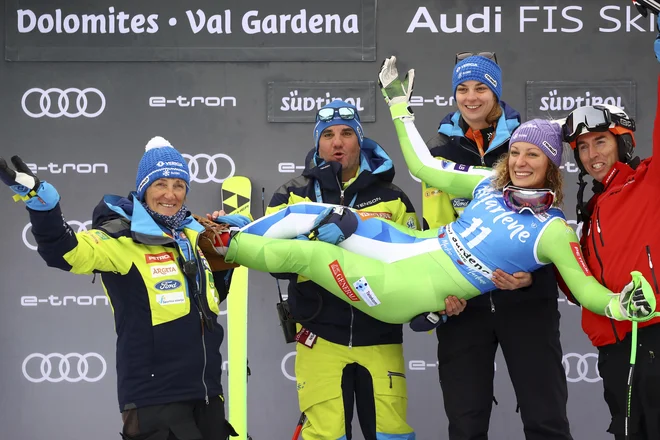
(236, 197)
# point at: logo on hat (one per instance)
(466, 65)
(550, 148)
(491, 79)
(160, 163)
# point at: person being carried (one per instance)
(511, 223)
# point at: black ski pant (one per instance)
(613, 366)
(358, 391)
(194, 420)
(528, 332)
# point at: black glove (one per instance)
(37, 195)
(427, 321)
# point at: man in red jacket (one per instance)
(620, 233)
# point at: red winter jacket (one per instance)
(623, 235)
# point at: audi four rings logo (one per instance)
(204, 167)
(284, 366)
(58, 367)
(56, 103)
(578, 367)
(76, 225)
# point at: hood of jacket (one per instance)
(375, 164)
(119, 213)
(452, 125)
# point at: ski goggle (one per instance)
(463, 55)
(328, 114)
(594, 118)
(536, 201)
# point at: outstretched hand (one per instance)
(393, 89)
(21, 180)
(37, 195)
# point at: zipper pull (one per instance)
(492, 304)
(206, 399)
(341, 196)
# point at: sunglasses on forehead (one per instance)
(463, 55)
(328, 114)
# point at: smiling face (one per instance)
(528, 165)
(475, 101)
(166, 196)
(598, 152)
(339, 143)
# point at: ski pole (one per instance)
(629, 385)
(301, 422)
(631, 371)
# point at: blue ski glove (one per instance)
(37, 195)
(334, 225)
(236, 220)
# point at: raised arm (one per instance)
(58, 245)
(445, 175)
(654, 166)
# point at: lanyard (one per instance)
(319, 197)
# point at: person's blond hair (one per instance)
(553, 178)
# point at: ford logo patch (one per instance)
(167, 285)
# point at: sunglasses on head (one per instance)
(536, 201)
(463, 55)
(328, 114)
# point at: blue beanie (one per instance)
(337, 120)
(480, 69)
(160, 160)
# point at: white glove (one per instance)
(391, 87)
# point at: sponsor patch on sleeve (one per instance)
(580, 259)
(340, 278)
(365, 292)
(369, 214)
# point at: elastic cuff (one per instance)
(401, 110)
(232, 250)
